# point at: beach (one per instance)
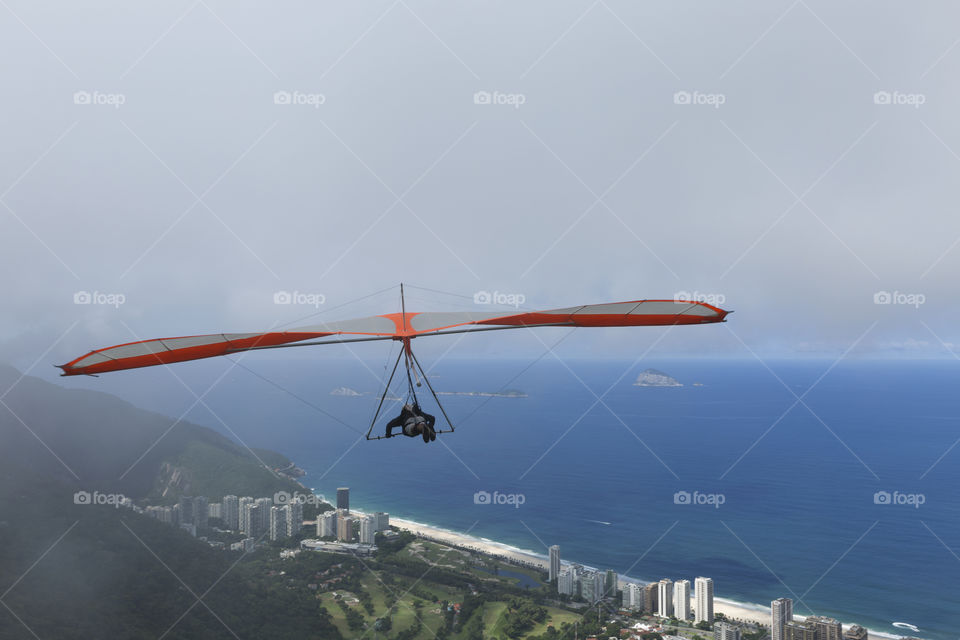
(739, 611)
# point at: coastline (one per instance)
(749, 612)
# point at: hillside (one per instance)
(94, 571)
(96, 441)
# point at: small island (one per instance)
(345, 391)
(506, 393)
(655, 378)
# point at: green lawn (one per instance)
(493, 620)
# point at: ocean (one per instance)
(845, 501)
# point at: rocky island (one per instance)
(655, 378)
(345, 391)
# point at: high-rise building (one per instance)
(633, 597)
(855, 632)
(252, 526)
(278, 522)
(327, 524)
(566, 583)
(242, 503)
(826, 628)
(344, 527)
(703, 600)
(186, 509)
(681, 599)
(591, 586)
(294, 515)
(650, 593)
(726, 631)
(264, 504)
(799, 631)
(665, 598)
(368, 530)
(383, 520)
(200, 512)
(781, 612)
(610, 584)
(215, 510)
(230, 512)
(554, 562)
(343, 498)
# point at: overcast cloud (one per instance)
(628, 150)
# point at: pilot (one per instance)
(413, 422)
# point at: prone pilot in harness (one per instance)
(413, 422)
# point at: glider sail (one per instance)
(395, 326)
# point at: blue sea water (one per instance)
(798, 479)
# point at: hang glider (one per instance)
(404, 327)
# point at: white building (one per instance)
(163, 514)
(633, 597)
(383, 520)
(665, 598)
(781, 612)
(278, 522)
(245, 545)
(703, 599)
(215, 510)
(566, 583)
(554, 562)
(327, 524)
(681, 599)
(368, 530)
(294, 516)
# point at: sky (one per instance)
(170, 168)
